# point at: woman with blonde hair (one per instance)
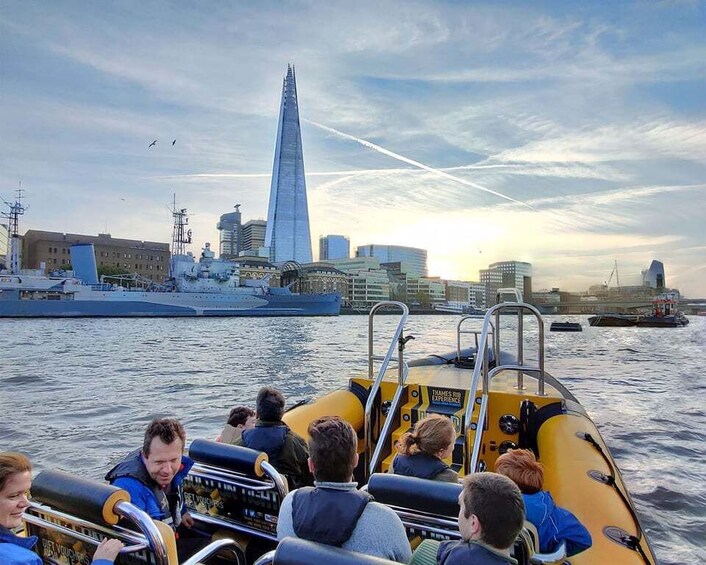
(420, 453)
(15, 480)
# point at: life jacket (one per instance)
(419, 465)
(464, 552)
(327, 515)
(267, 438)
(169, 501)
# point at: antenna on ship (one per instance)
(16, 210)
(181, 237)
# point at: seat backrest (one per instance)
(71, 515)
(428, 509)
(295, 551)
(233, 489)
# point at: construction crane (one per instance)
(617, 277)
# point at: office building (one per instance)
(288, 236)
(415, 259)
(334, 247)
(53, 249)
(230, 232)
(507, 274)
(654, 276)
(253, 236)
(367, 283)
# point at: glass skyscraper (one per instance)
(288, 235)
(415, 259)
(334, 247)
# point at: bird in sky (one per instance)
(173, 142)
(151, 144)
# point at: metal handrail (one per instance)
(475, 333)
(276, 478)
(371, 458)
(143, 521)
(213, 548)
(482, 368)
(266, 558)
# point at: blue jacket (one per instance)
(16, 550)
(471, 553)
(131, 475)
(555, 524)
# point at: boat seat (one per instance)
(71, 515)
(428, 509)
(295, 551)
(233, 490)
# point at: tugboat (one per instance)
(496, 401)
(664, 314)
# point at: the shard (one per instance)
(288, 235)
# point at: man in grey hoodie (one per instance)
(334, 511)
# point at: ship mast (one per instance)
(13, 216)
(181, 237)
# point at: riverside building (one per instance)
(334, 247)
(231, 234)
(53, 249)
(288, 235)
(507, 274)
(415, 259)
(367, 282)
(253, 237)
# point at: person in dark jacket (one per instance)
(335, 512)
(490, 518)
(286, 450)
(554, 524)
(153, 475)
(420, 453)
(15, 480)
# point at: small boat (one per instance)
(565, 327)
(664, 314)
(496, 400)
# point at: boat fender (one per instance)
(435, 497)
(231, 457)
(86, 499)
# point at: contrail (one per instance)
(416, 163)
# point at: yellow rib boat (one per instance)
(497, 402)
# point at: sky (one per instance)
(567, 134)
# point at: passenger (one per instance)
(15, 481)
(334, 511)
(490, 519)
(420, 452)
(286, 451)
(153, 475)
(554, 524)
(240, 418)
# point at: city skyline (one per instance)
(591, 115)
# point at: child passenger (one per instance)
(420, 452)
(554, 524)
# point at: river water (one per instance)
(77, 394)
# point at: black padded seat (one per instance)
(294, 551)
(433, 497)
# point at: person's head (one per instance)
(270, 404)
(15, 480)
(332, 449)
(162, 449)
(492, 510)
(242, 417)
(434, 435)
(522, 467)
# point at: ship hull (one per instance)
(148, 304)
